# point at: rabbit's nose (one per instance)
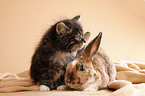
(70, 76)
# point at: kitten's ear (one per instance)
(76, 18)
(61, 28)
(93, 46)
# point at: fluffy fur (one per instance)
(91, 71)
(56, 49)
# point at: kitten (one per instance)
(56, 49)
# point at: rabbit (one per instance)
(92, 69)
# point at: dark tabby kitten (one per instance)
(57, 48)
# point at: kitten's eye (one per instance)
(60, 36)
(70, 30)
(82, 68)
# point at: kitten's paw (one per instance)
(44, 88)
(62, 87)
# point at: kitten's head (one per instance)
(69, 34)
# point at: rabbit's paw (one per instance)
(62, 87)
(90, 89)
(44, 88)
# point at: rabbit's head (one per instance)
(80, 72)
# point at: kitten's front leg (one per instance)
(46, 85)
(44, 88)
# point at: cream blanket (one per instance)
(130, 82)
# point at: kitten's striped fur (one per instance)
(56, 49)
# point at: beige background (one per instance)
(22, 22)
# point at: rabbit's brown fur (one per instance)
(91, 71)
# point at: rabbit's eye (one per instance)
(81, 68)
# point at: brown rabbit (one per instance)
(91, 71)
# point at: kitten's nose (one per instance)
(83, 40)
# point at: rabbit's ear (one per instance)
(80, 52)
(93, 46)
(86, 37)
